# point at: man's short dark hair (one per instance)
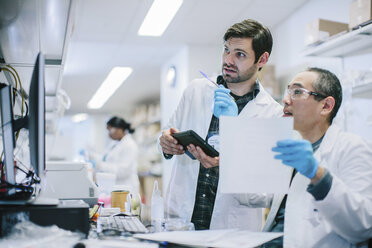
(262, 41)
(328, 84)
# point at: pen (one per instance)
(210, 80)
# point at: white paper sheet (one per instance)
(247, 164)
(213, 238)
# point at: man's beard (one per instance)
(246, 75)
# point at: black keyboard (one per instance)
(121, 224)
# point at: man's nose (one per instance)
(229, 59)
(287, 99)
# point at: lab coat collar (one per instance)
(329, 140)
(253, 107)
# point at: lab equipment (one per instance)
(157, 208)
(224, 104)
(178, 224)
(133, 204)
(188, 137)
(70, 180)
(35, 122)
(95, 210)
(120, 224)
(119, 197)
(297, 154)
(68, 214)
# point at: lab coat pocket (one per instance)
(312, 216)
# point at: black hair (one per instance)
(120, 123)
(327, 84)
(262, 41)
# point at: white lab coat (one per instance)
(121, 159)
(195, 112)
(344, 217)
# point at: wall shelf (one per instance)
(343, 45)
(362, 91)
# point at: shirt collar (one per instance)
(255, 89)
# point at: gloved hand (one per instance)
(93, 162)
(224, 104)
(297, 154)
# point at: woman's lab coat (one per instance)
(121, 160)
(195, 112)
(344, 217)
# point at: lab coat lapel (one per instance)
(252, 109)
(208, 110)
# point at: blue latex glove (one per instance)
(297, 154)
(224, 104)
(93, 162)
(82, 152)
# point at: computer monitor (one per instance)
(34, 121)
(8, 137)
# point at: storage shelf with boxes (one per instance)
(344, 45)
(360, 13)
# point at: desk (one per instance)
(30, 235)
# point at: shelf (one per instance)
(362, 91)
(343, 45)
(145, 124)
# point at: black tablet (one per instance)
(190, 137)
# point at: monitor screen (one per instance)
(8, 136)
(36, 119)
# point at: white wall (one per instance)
(205, 58)
(170, 96)
(72, 137)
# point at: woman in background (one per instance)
(121, 156)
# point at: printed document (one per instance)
(247, 163)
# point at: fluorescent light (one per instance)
(79, 117)
(159, 16)
(116, 77)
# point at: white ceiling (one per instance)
(105, 35)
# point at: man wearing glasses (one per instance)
(329, 203)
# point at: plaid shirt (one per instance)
(208, 178)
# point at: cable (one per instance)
(20, 85)
(14, 77)
(31, 180)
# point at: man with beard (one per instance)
(193, 192)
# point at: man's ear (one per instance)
(263, 59)
(328, 105)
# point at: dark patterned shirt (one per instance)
(208, 178)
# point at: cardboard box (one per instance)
(268, 80)
(321, 30)
(360, 12)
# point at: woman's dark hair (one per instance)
(120, 123)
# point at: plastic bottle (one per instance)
(157, 209)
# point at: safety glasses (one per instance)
(301, 93)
